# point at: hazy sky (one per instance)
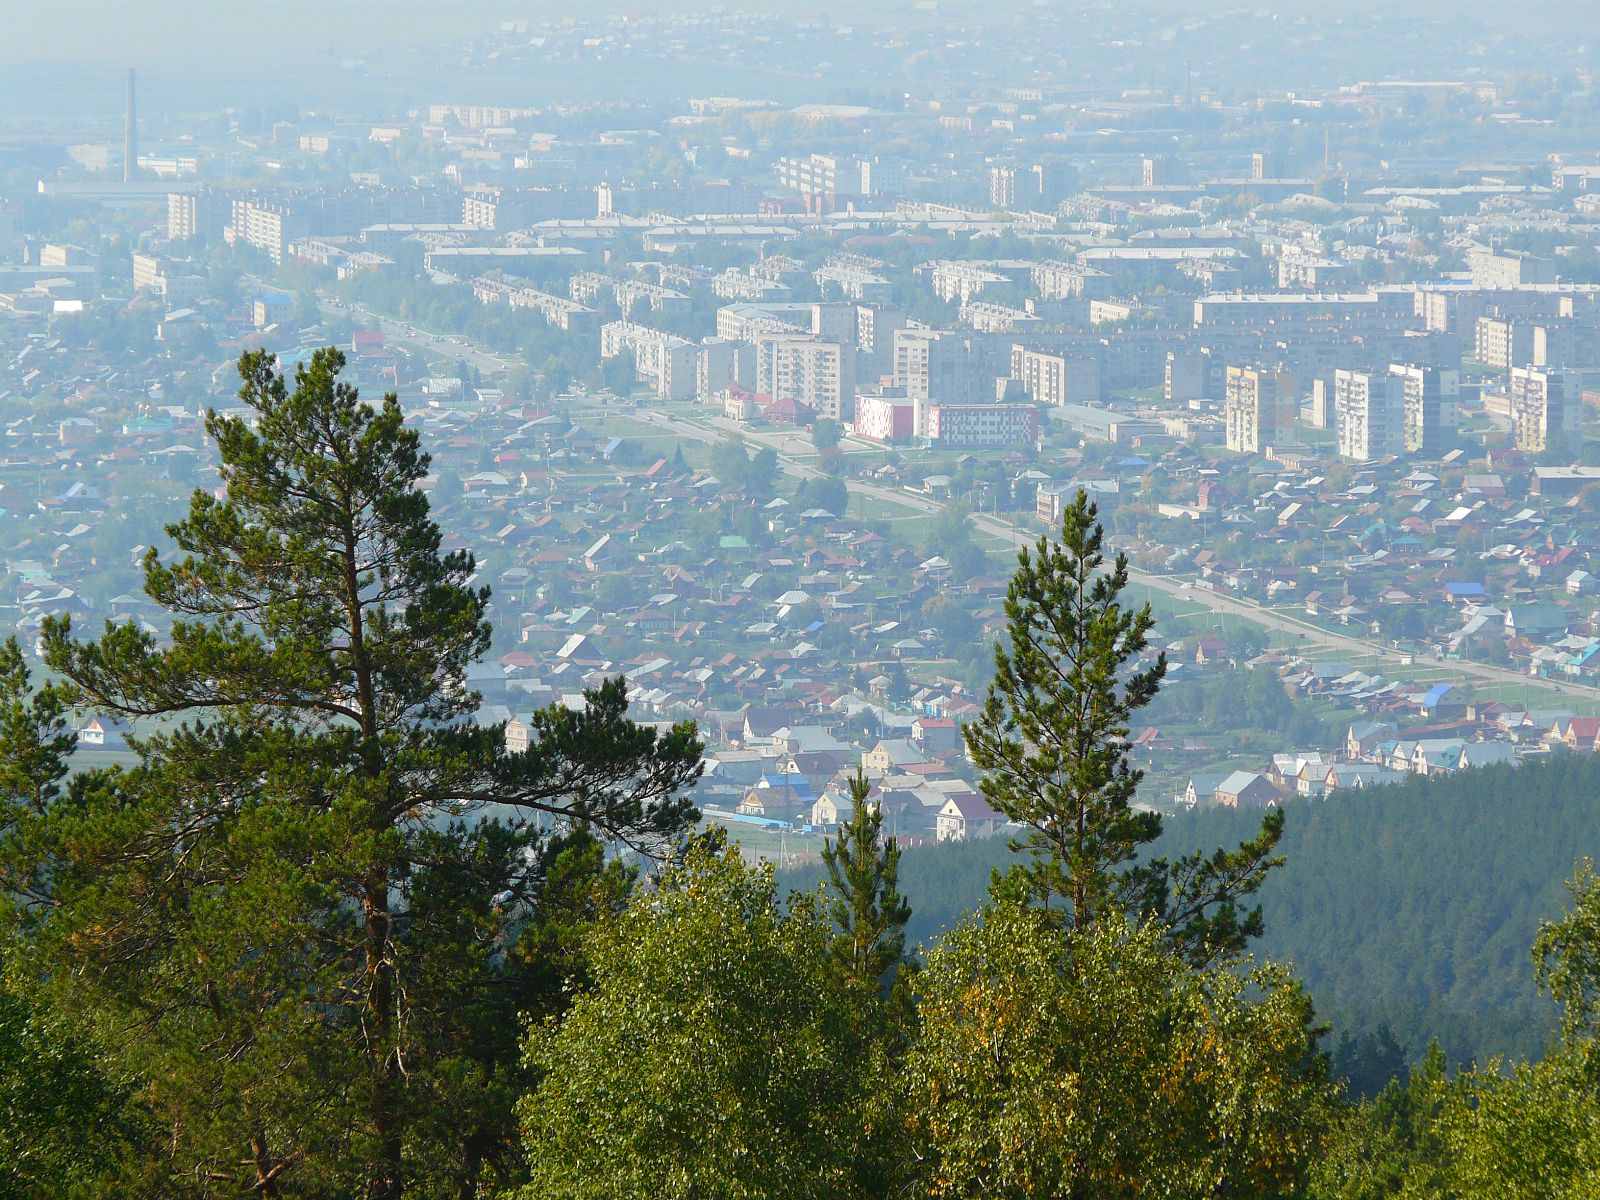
(63, 60)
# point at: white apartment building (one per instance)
(819, 374)
(1546, 407)
(667, 362)
(1369, 414)
(1432, 406)
(267, 225)
(1258, 410)
(1055, 379)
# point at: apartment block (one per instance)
(1258, 410)
(1369, 414)
(1546, 408)
(1055, 378)
(194, 215)
(1002, 187)
(817, 373)
(666, 362)
(1432, 403)
(1503, 342)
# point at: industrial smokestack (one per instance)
(130, 137)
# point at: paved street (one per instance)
(785, 444)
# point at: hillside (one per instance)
(1414, 904)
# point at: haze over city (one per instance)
(933, 599)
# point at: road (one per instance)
(486, 361)
(714, 429)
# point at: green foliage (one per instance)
(303, 894)
(1050, 740)
(754, 474)
(1052, 745)
(1411, 906)
(1532, 1131)
(66, 1124)
(1099, 1063)
(67, 1128)
(828, 492)
(1373, 1148)
(35, 741)
(717, 1054)
(1566, 955)
(825, 434)
(864, 875)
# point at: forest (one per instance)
(329, 936)
(1410, 907)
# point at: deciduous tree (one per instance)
(1098, 1063)
(718, 1053)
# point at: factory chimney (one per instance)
(130, 137)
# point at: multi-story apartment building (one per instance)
(268, 225)
(1298, 268)
(721, 365)
(876, 325)
(989, 426)
(1546, 408)
(1496, 270)
(1187, 377)
(1432, 402)
(744, 322)
(883, 176)
(817, 373)
(1055, 378)
(816, 174)
(1503, 342)
(478, 116)
(942, 365)
(1070, 281)
(1369, 414)
(856, 278)
(564, 314)
(1258, 409)
(667, 362)
(1002, 187)
(194, 215)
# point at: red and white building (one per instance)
(886, 418)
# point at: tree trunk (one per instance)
(384, 1180)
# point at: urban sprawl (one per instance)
(752, 398)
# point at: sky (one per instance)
(64, 61)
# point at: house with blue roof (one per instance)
(1442, 703)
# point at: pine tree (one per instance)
(1052, 743)
(864, 873)
(304, 893)
(35, 741)
(1052, 737)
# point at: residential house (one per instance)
(888, 754)
(1364, 737)
(936, 736)
(1201, 789)
(1246, 789)
(1358, 775)
(966, 816)
(1576, 734)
